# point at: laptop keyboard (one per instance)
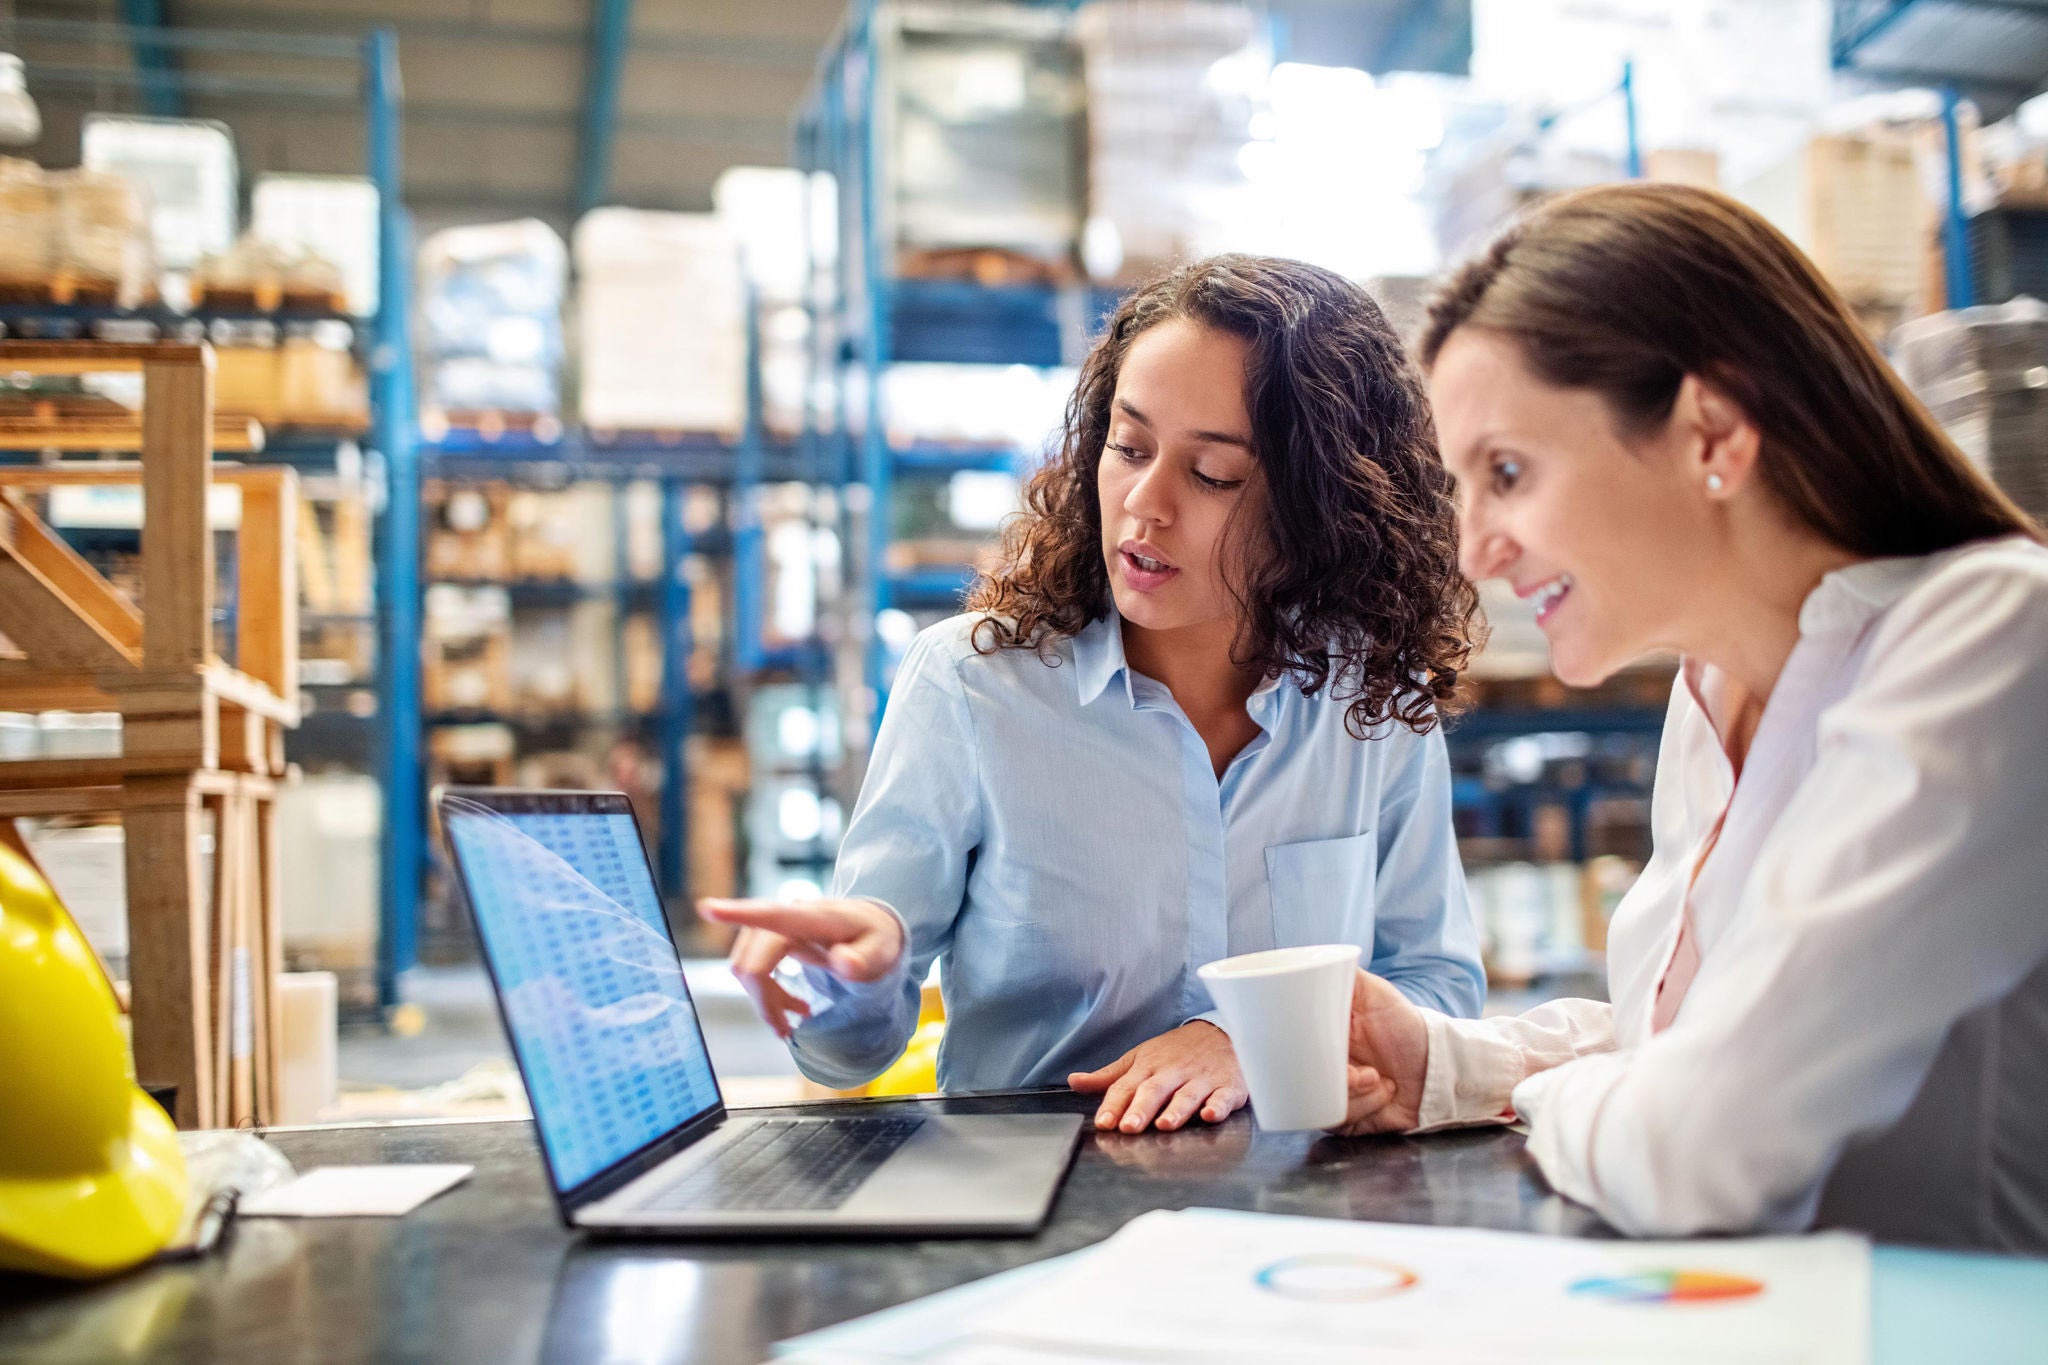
(789, 1164)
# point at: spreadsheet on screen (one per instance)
(594, 995)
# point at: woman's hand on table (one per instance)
(1389, 1058)
(855, 940)
(1167, 1081)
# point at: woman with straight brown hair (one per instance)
(1830, 984)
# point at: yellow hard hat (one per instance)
(91, 1180)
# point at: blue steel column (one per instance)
(398, 555)
(750, 569)
(1628, 109)
(676, 643)
(162, 96)
(622, 604)
(1955, 224)
(611, 24)
(875, 462)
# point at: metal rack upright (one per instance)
(384, 338)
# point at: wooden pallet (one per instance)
(990, 266)
(668, 437)
(119, 431)
(490, 425)
(63, 289)
(266, 296)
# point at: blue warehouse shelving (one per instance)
(871, 318)
(383, 339)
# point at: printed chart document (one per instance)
(1208, 1285)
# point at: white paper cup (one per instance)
(1288, 1013)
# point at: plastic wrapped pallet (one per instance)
(661, 322)
(333, 217)
(491, 320)
(1983, 372)
(263, 274)
(103, 223)
(985, 112)
(186, 171)
(1163, 132)
(28, 222)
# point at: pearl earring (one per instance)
(1713, 483)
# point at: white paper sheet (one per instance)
(922, 1330)
(1209, 1285)
(355, 1192)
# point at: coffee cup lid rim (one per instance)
(1277, 960)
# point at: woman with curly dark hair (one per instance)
(1192, 714)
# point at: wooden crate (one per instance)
(202, 743)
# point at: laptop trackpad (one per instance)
(969, 1171)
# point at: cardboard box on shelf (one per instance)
(565, 534)
(472, 676)
(247, 381)
(472, 755)
(468, 535)
(719, 772)
(642, 643)
(320, 385)
(28, 222)
(562, 658)
(1857, 206)
(662, 309)
(338, 648)
(103, 233)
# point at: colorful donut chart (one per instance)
(1670, 1286)
(1335, 1278)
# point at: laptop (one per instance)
(633, 1126)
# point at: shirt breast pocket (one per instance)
(1322, 891)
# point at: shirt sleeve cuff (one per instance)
(1208, 1017)
(886, 987)
(1469, 1076)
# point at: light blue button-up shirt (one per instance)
(1055, 835)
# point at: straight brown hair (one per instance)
(1626, 289)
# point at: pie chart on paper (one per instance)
(1670, 1286)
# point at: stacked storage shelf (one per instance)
(954, 306)
(309, 371)
(597, 572)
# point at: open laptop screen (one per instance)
(593, 993)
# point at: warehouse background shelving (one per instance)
(857, 467)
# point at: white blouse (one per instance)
(1865, 1042)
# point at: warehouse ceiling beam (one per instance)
(323, 94)
(611, 27)
(86, 33)
(1970, 83)
(795, 54)
(147, 24)
(1428, 35)
(1857, 22)
(724, 129)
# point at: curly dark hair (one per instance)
(1357, 586)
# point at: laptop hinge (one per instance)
(641, 1162)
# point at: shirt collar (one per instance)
(1848, 598)
(1099, 659)
(1099, 656)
